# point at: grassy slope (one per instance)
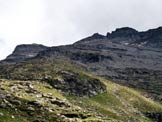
(118, 104)
(18, 113)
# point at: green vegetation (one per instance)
(38, 69)
(32, 101)
(119, 103)
(28, 98)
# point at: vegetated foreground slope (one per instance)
(32, 94)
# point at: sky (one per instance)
(60, 22)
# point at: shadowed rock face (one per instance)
(157, 117)
(124, 33)
(74, 84)
(151, 38)
(23, 52)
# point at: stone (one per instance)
(1, 114)
(59, 103)
(31, 86)
(3, 105)
(35, 103)
(38, 95)
(48, 95)
(2, 96)
(14, 88)
(30, 109)
(20, 86)
(16, 102)
(12, 116)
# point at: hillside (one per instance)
(126, 56)
(36, 99)
(108, 78)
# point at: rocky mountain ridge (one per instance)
(127, 56)
(125, 36)
(24, 51)
(67, 83)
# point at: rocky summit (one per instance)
(86, 81)
(22, 52)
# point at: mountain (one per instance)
(22, 52)
(151, 38)
(127, 56)
(87, 72)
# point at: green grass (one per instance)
(9, 116)
(119, 104)
(21, 115)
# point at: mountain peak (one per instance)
(90, 38)
(126, 29)
(28, 49)
(123, 32)
(25, 51)
(97, 36)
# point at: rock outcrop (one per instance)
(156, 117)
(23, 52)
(36, 105)
(76, 84)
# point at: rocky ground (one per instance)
(31, 101)
(38, 101)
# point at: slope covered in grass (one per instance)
(120, 103)
(28, 86)
(35, 101)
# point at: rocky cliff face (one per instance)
(129, 36)
(23, 52)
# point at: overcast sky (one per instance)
(58, 22)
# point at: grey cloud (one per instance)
(106, 15)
